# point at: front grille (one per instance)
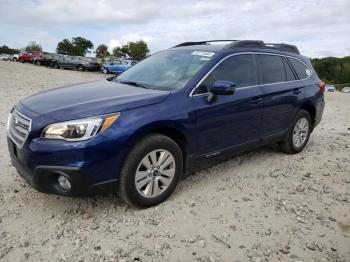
(18, 128)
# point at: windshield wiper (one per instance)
(132, 83)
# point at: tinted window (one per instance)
(301, 70)
(239, 69)
(272, 69)
(289, 71)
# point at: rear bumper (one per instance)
(319, 111)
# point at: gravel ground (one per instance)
(260, 206)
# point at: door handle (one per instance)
(296, 91)
(256, 100)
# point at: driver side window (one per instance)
(239, 69)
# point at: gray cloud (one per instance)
(318, 27)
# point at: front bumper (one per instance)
(45, 178)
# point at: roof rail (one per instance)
(247, 43)
(283, 47)
(202, 42)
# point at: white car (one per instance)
(15, 57)
(346, 89)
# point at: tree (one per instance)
(6, 50)
(33, 46)
(333, 69)
(78, 46)
(121, 52)
(138, 50)
(134, 50)
(64, 47)
(102, 51)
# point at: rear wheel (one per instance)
(105, 70)
(299, 134)
(81, 68)
(151, 171)
(38, 63)
(55, 65)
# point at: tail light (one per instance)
(322, 86)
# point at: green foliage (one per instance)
(102, 51)
(134, 50)
(79, 46)
(332, 69)
(6, 50)
(33, 46)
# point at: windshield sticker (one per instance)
(202, 53)
(204, 59)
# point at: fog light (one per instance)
(64, 183)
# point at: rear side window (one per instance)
(302, 71)
(271, 68)
(239, 69)
(289, 71)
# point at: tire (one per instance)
(300, 133)
(38, 63)
(157, 145)
(14, 59)
(56, 65)
(81, 68)
(21, 60)
(105, 70)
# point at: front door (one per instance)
(229, 120)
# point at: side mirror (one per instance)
(221, 88)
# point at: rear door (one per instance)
(230, 120)
(281, 93)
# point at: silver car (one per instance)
(346, 89)
(330, 88)
(4, 57)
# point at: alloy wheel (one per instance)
(155, 173)
(300, 132)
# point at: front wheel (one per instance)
(299, 134)
(38, 63)
(81, 68)
(105, 70)
(151, 171)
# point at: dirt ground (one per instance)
(260, 206)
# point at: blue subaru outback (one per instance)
(175, 112)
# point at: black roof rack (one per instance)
(247, 43)
(202, 42)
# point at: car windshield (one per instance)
(166, 70)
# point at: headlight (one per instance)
(80, 129)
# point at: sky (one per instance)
(318, 27)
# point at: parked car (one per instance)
(48, 59)
(117, 66)
(78, 62)
(26, 56)
(5, 57)
(171, 114)
(346, 89)
(330, 88)
(15, 57)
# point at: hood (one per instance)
(90, 99)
